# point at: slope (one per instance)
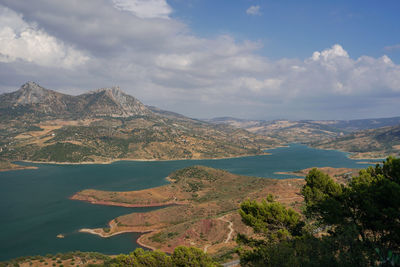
(106, 125)
(372, 143)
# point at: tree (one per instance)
(369, 206)
(191, 257)
(142, 258)
(346, 225)
(321, 196)
(276, 224)
(271, 219)
(182, 256)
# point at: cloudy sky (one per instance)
(205, 58)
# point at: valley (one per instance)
(170, 133)
(106, 125)
(197, 205)
(366, 138)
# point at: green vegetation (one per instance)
(33, 128)
(136, 137)
(271, 219)
(161, 237)
(345, 225)
(55, 260)
(64, 152)
(181, 257)
(196, 172)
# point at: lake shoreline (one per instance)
(349, 155)
(19, 169)
(52, 185)
(125, 205)
(136, 160)
(138, 241)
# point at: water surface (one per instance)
(35, 208)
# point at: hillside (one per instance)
(373, 143)
(33, 100)
(201, 208)
(285, 131)
(37, 124)
(305, 131)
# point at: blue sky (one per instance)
(298, 28)
(243, 58)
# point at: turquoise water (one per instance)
(35, 207)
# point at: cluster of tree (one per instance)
(357, 224)
(182, 257)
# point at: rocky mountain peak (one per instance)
(31, 93)
(115, 94)
(109, 102)
(32, 87)
(111, 90)
(114, 102)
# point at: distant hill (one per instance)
(306, 131)
(370, 143)
(166, 113)
(39, 124)
(363, 124)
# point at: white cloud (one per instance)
(329, 54)
(271, 86)
(164, 64)
(346, 76)
(174, 61)
(253, 10)
(20, 40)
(145, 8)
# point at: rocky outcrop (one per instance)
(113, 102)
(107, 102)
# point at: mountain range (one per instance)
(364, 138)
(39, 124)
(34, 99)
(371, 143)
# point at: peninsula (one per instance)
(199, 208)
(8, 166)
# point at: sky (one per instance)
(250, 59)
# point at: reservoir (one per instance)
(35, 205)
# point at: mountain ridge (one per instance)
(33, 98)
(371, 143)
(104, 125)
(363, 138)
(305, 131)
